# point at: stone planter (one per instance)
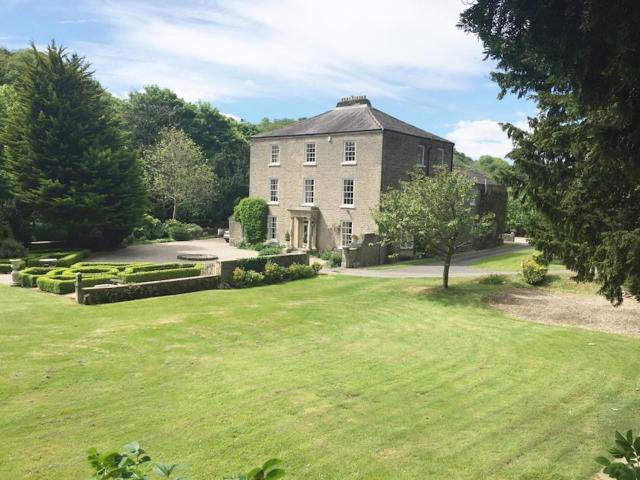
(16, 263)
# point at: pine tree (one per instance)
(65, 156)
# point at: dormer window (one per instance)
(421, 156)
(310, 153)
(275, 155)
(349, 151)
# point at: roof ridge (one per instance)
(370, 110)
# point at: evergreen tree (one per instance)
(64, 153)
(579, 163)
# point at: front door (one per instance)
(305, 234)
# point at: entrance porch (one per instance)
(304, 228)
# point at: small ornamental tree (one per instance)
(435, 211)
(252, 214)
(176, 171)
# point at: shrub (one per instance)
(332, 257)
(256, 264)
(267, 249)
(177, 230)
(252, 214)
(274, 273)
(196, 231)
(493, 279)
(63, 258)
(151, 273)
(627, 448)
(246, 278)
(533, 272)
(62, 280)
(540, 259)
(5, 267)
(11, 248)
(150, 228)
(316, 267)
(300, 270)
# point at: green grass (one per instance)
(511, 261)
(341, 377)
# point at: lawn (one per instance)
(511, 261)
(341, 377)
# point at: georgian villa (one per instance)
(323, 176)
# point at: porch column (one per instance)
(291, 233)
(312, 233)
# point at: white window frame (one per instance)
(274, 199)
(440, 157)
(348, 144)
(346, 235)
(312, 182)
(272, 227)
(345, 191)
(422, 154)
(310, 150)
(274, 159)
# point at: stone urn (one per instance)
(16, 263)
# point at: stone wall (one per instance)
(370, 252)
(235, 232)
(492, 198)
(133, 291)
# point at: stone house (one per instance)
(322, 177)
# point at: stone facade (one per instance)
(383, 157)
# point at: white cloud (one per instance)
(229, 49)
(482, 137)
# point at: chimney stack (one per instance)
(353, 100)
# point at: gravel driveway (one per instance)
(168, 252)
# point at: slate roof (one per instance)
(352, 118)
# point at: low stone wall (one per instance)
(224, 268)
(235, 232)
(133, 291)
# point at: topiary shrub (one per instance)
(29, 276)
(252, 214)
(533, 272)
(154, 272)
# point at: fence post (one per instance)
(79, 295)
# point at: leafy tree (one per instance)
(64, 155)
(176, 171)
(436, 211)
(12, 64)
(266, 124)
(578, 164)
(495, 167)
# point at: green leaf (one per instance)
(275, 474)
(269, 464)
(603, 461)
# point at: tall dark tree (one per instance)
(64, 154)
(580, 163)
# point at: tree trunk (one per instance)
(175, 209)
(445, 271)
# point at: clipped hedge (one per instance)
(134, 291)
(252, 214)
(63, 258)
(30, 275)
(62, 284)
(150, 273)
(5, 268)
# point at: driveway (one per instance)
(460, 266)
(168, 252)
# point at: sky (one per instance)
(286, 58)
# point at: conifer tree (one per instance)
(64, 154)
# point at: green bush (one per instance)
(274, 273)
(533, 272)
(5, 267)
(628, 449)
(300, 270)
(62, 284)
(540, 259)
(252, 214)
(316, 267)
(11, 248)
(493, 279)
(150, 228)
(177, 230)
(63, 258)
(246, 278)
(256, 264)
(150, 274)
(269, 249)
(332, 257)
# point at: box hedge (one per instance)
(63, 258)
(5, 267)
(62, 280)
(150, 273)
(30, 275)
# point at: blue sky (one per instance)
(286, 58)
